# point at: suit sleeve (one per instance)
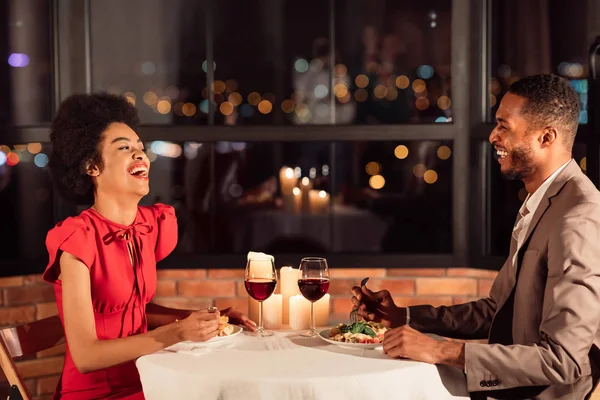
(570, 316)
(462, 321)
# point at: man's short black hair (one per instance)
(550, 100)
(76, 133)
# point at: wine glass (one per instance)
(313, 283)
(260, 280)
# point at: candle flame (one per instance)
(296, 191)
(322, 194)
(289, 173)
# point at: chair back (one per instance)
(25, 340)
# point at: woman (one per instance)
(103, 262)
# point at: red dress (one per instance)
(120, 289)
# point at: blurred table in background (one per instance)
(343, 229)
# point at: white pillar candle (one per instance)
(289, 202)
(322, 311)
(305, 187)
(287, 180)
(297, 199)
(299, 313)
(319, 201)
(272, 312)
(288, 282)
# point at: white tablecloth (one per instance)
(289, 367)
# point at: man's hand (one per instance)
(405, 342)
(236, 317)
(378, 307)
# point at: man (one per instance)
(542, 316)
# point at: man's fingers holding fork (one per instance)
(359, 307)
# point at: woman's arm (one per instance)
(91, 354)
(158, 315)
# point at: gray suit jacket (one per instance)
(556, 316)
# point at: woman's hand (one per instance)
(236, 317)
(199, 326)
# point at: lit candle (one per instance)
(287, 180)
(262, 265)
(288, 279)
(305, 187)
(289, 202)
(299, 313)
(319, 201)
(254, 254)
(322, 311)
(272, 312)
(297, 194)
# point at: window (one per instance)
(274, 63)
(157, 60)
(340, 197)
(26, 79)
(556, 42)
(26, 191)
(397, 59)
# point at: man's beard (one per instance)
(521, 164)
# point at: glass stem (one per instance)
(312, 316)
(260, 321)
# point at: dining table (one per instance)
(288, 366)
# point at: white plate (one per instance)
(189, 345)
(368, 346)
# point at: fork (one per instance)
(354, 312)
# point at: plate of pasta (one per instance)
(362, 335)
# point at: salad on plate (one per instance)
(363, 332)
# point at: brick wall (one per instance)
(27, 298)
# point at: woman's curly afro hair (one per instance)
(76, 134)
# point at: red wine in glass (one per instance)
(313, 289)
(260, 289)
(313, 283)
(260, 279)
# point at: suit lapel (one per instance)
(535, 219)
(565, 175)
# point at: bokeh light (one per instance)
(40, 160)
(377, 182)
(430, 176)
(401, 152)
(444, 152)
(373, 168)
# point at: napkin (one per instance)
(197, 349)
